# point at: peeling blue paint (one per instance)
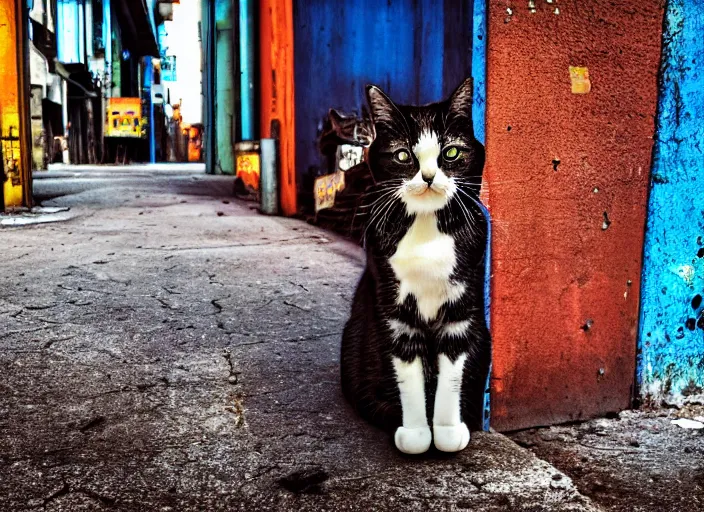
(671, 342)
(486, 413)
(479, 120)
(479, 68)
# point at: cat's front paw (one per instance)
(413, 440)
(451, 438)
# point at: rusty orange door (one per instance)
(567, 178)
(277, 92)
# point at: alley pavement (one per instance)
(168, 348)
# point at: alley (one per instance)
(169, 348)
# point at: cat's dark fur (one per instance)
(383, 329)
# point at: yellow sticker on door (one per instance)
(580, 80)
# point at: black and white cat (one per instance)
(416, 346)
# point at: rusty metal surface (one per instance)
(567, 184)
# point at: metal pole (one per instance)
(148, 81)
(208, 41)
(268, 177)
(224, 89)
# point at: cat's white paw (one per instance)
(451, 438)
(413, 440)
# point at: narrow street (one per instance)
(171, 349)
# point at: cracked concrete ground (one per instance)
(171, 349)
(636, 461)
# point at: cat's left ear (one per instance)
(460, 103)
(382, 108)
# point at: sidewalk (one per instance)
(165, 350)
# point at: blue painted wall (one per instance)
(671, 343)
(479, 69)
(416, 50)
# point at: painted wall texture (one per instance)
(671, 357)
(278, 108)
(567, 185)
(416, 50)
(14, 149)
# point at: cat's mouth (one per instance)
(425, 198)
(423, 189)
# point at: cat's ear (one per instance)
(460, 103)
(382, 108)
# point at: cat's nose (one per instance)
(428, 177)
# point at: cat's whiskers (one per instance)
(473, 221)
(380, 198)
(488, 182)
(468, 217)
(387, 211)
(382, 209)
(474, 199)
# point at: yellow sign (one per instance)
(124, 118)
(580, 80)
(326, 187)
(248, 169)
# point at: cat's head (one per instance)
(429, 153)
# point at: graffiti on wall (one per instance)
(10, 160)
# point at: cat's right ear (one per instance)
(381, 107)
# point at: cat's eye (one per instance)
(451, 153)
(402, 156)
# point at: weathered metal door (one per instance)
(567, 184)
(416, 50)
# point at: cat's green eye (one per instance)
(451, 153)
(402, 156)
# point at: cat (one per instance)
(416, 346)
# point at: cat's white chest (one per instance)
(423, 263)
